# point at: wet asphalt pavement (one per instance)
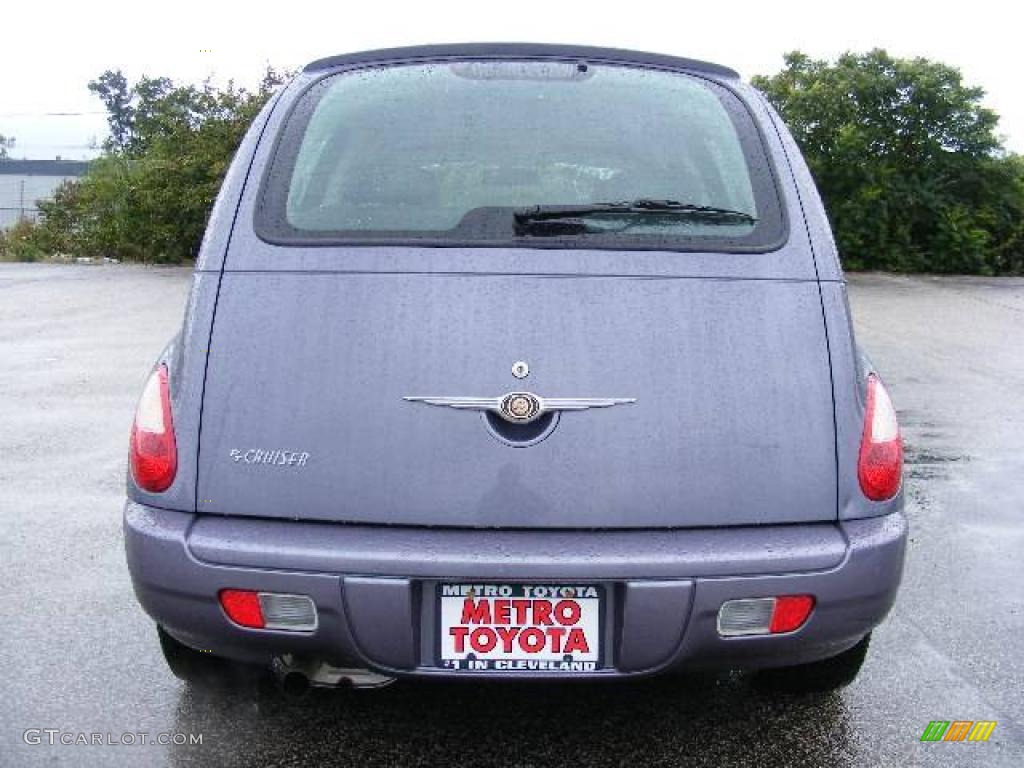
(78, 655)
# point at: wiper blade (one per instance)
(528, 219)
(657, 206)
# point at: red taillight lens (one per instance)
(153, 451)
(243, 607)
(880, 464)
(791, 611)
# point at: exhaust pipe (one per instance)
(292, 682)
(296, 675)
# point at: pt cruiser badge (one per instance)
(275, 458)
(523, 407)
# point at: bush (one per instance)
(25, 241)
(913, 174)
(148, 197)
(908, 162)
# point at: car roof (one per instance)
(521, 50)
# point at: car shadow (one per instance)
(714, 721)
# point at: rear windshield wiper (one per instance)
(569, 219)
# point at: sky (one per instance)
(51, 50)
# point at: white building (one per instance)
(23, 182)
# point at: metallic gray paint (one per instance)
(556, 555)
(663, 612)
(733, 424)
(813, 209)
(749, 358)
(463, 51)
(186, 354)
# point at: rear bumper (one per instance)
(374, 587)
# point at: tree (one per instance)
(906, 156)
(6, 143)
(908, 161)
(112, 89)
(148, 196)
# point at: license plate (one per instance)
(520, 627)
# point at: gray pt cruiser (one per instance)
(515, 361)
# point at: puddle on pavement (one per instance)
(926, 454)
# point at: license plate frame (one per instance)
(504, 625)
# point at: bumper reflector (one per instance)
(269, 610)
(763, 615)
(790, 613)
(294, 612)
(242, 607)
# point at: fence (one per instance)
(11, 216)
(23, 182)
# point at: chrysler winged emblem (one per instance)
(522, 407)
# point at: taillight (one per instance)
(880, 464)
(791, 611)
(153, 451)
(269, 610)
(764, 615)
(243, 607)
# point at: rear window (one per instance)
(449, 153)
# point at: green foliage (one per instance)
(148, 197)
(112, 89)
(908, 162)
(22, 242)
(6, 143)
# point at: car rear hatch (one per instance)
(356, 277)
(304, 415)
